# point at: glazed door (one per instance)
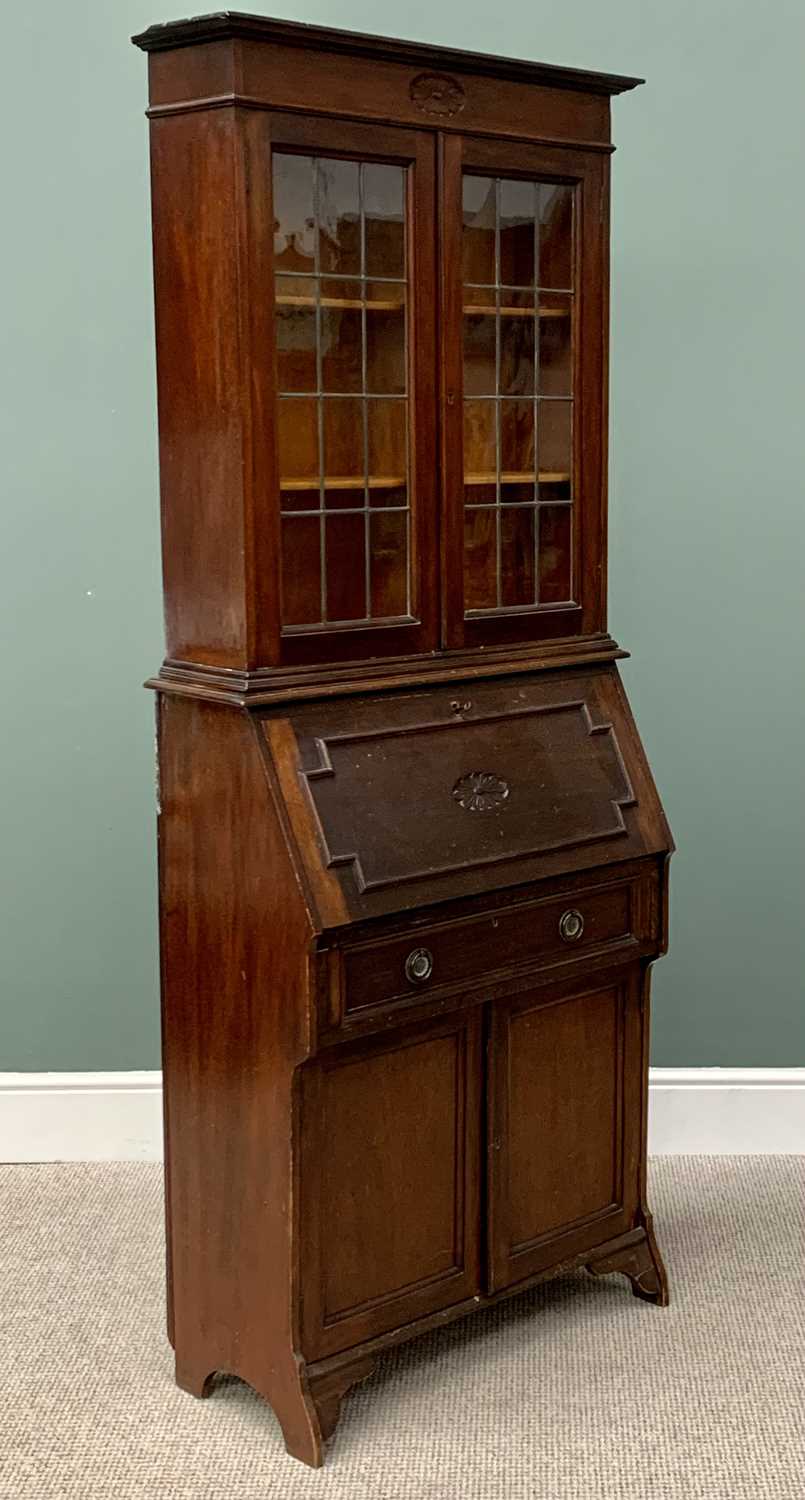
(565, 1116)
(524, 335)
(354, 322)
(390, 1176)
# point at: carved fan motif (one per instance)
(480, 791)
(436, 94)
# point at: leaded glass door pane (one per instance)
(523, 345)
(355, 361)
(518, 299)
(340, 294)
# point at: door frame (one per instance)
(323, 1335)
(506, 1266)
(416, 151)
(588, 172)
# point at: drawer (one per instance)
(454, 954)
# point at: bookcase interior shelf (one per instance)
(488, 309)
(347, 482)
(545, 476)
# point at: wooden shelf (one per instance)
(478, 309)
(347, 482)
(348, 302)
(471, 310)
(397, 481)
(545, 476)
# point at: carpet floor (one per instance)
(574, 1391)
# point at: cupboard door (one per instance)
(354, 294)
(564, 1123)
(390, 1181)
(524, 278)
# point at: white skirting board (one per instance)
(117, 1116)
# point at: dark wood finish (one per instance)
(563, 1163)
(390, 1153)
(345, 1369)
(588, 175)
(187, 33)
(414, 151)
(250, 74)
(329, 1386)
(642, 1264)
(413, 864)
(220, 515)
(385, 778)
(207, 60)
(261, 688)
(215, 386)
(619, 914)
(227, 92)
(231, 1044)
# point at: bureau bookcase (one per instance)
(413, 865)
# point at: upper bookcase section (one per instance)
(381, 277)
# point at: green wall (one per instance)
(708, 522)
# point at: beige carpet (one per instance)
(574, 1392)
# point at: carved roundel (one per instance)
(436, 94)
(480, 791)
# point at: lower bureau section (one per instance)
(453, 1159)
(333, 1191)
(351, 1157)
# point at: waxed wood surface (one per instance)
(390, 1181)
(562, 1156)
(384, 777)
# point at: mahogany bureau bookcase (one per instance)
(413, 865)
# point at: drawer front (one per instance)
(525, 935)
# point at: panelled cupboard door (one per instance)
(524, 288)
(354, 297)
(564, 1123)
(390, 1173)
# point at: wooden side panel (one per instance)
(390, 1182)
(235, 944)
(211, 218)
(564, 1143)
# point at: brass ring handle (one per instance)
(419, 965)
(571, 926)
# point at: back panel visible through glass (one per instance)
(518, 318)
(341, 296)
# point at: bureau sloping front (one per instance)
(420, 797)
